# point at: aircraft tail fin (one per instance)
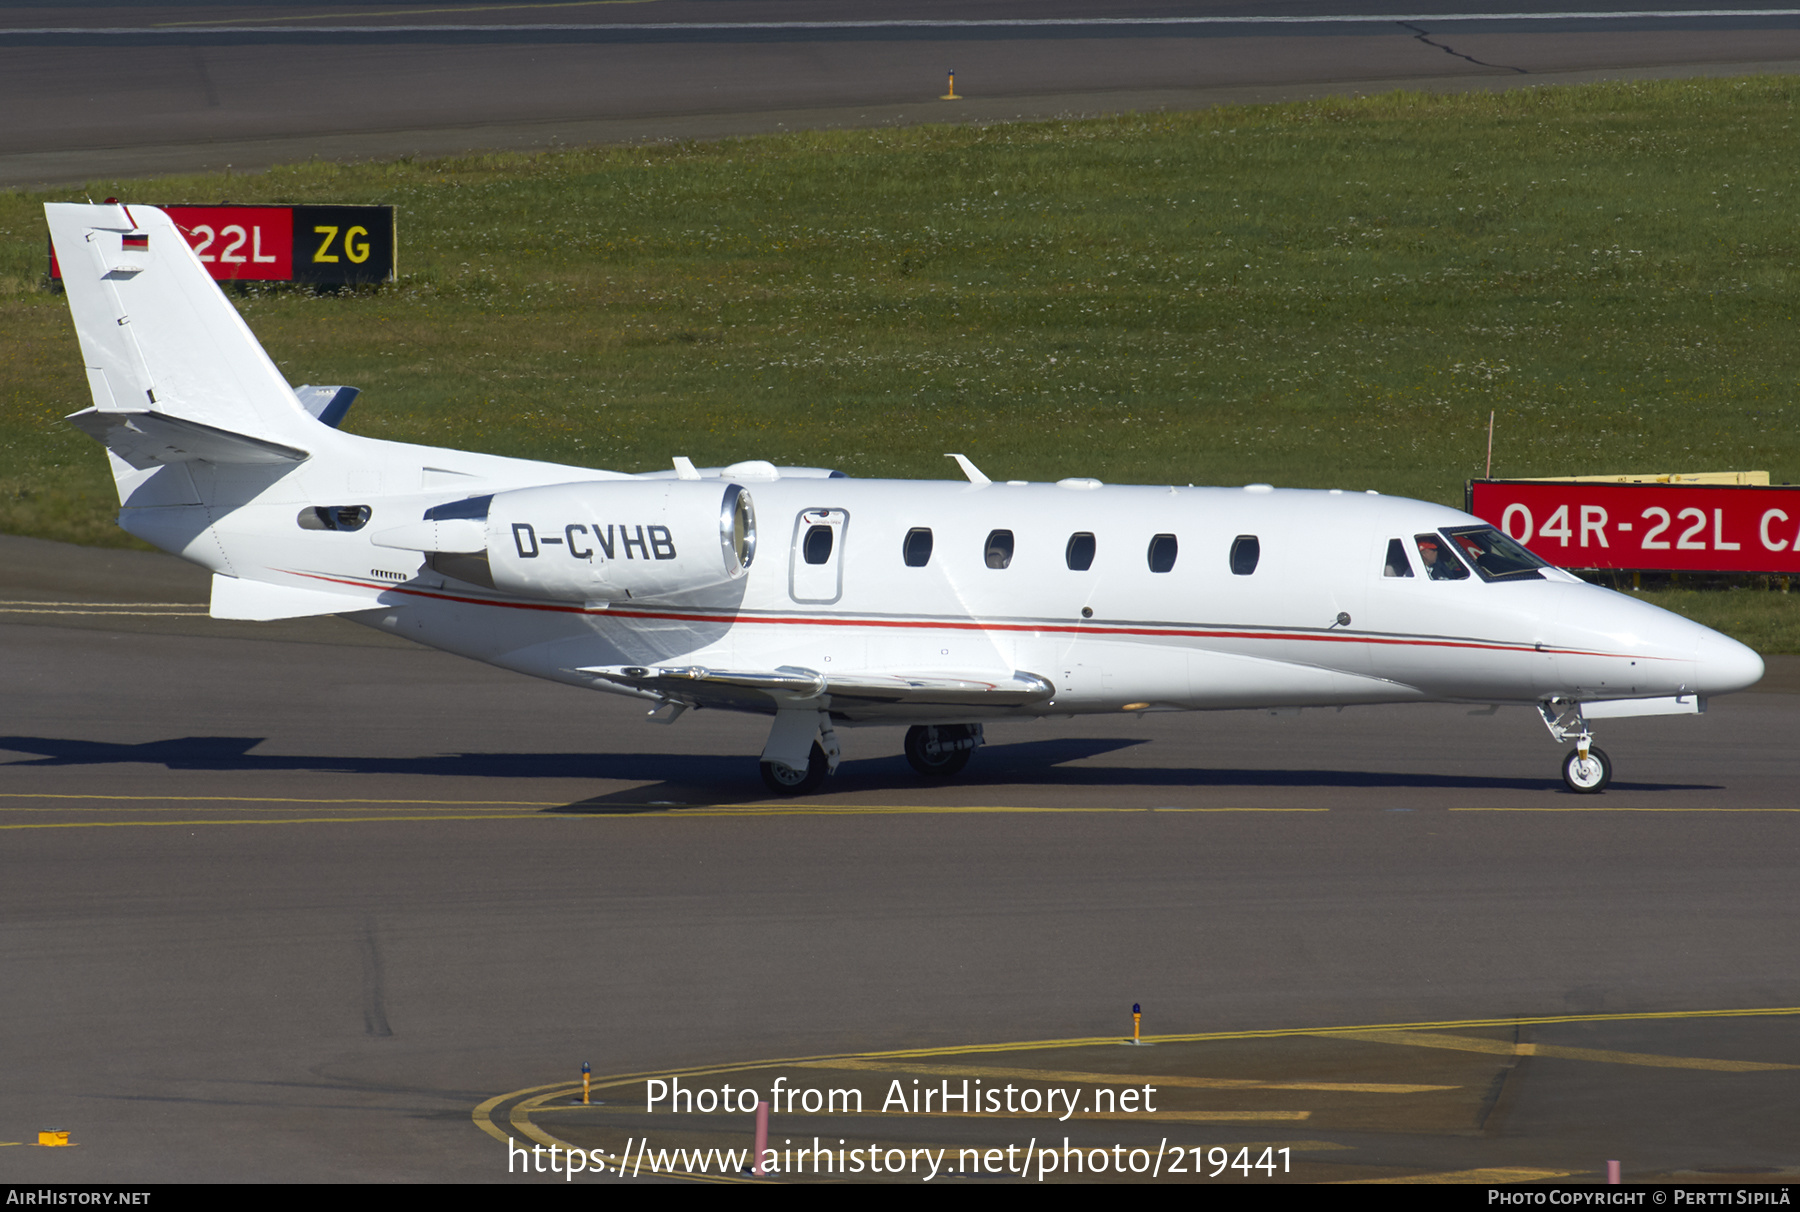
(175, 372)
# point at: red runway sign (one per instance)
(1647, 527)
(240, 243)
(324, 245)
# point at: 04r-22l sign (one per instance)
(1647, 527)
(322, 245)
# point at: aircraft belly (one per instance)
(1108, 674)
(1229, 679)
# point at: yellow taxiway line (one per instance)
(411, 12)
(1125, 1079)
(535, 1098)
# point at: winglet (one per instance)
(969, 469)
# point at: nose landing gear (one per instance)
(1586, 770)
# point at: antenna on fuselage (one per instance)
(969, 469)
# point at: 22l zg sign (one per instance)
(1648, 527)
(324, 245)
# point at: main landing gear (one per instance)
(940, 751)
(784, 779)
(1586, 770)
(803, 750)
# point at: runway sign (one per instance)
(324, 245)
(1647, 527)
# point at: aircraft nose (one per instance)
(1723, 665)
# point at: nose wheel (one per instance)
(1586, 770)
(1587, 775)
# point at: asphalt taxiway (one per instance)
(95, 93)
(300, 901)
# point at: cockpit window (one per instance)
(1440, 561)
(1397, 564)
(1495, 555)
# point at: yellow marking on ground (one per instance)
(1135, 1117)
(484, 1112)
(624, 812)
(201, 606)
(1617, 808)
(536, 1097)
(1496, 1047)
(275, 799)
(114, 614)
(520, 1117)
(1127, 1079)
(1186, 1117)
(350, 16)
(624, 1079)
(285, 820)
(1505, 1174)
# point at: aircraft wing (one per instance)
(700, 686)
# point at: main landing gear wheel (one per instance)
(940, 751)
(783, 779)
(1590, 776)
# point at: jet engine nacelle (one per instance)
(619, 540)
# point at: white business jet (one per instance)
(821, 601)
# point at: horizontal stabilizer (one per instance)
(148, 439)
(1613, 709)
(329, 404)
(790, 683)
(236, 598)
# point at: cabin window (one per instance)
(816, 547)
(1080, 552)
(917, 548)
(1163, 549)
(1440, 562)
(998, 550)
(1397, 564)
(1246, 550)
(334, 517)
(1496, 556)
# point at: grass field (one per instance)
(1333, 293)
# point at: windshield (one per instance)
(1495, 556)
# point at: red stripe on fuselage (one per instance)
(973, 625)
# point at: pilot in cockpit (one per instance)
(1440, 565)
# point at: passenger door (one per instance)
(816, 567)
